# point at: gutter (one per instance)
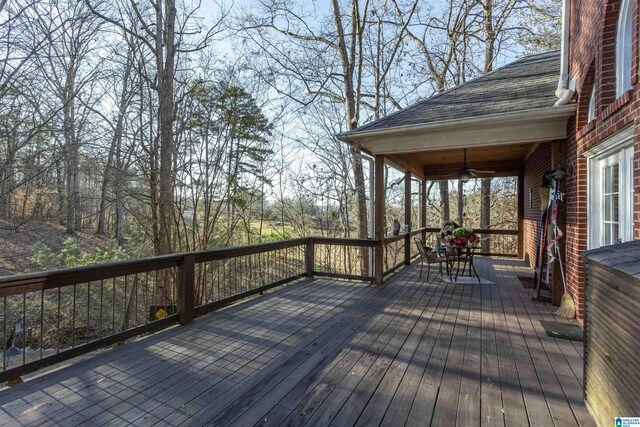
(499, 118)
(566, 86)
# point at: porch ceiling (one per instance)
(505, 160)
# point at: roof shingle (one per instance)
(525, 84)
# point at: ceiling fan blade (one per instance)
(476, 172)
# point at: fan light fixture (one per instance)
(466, 173)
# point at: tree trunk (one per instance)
(460, 203)
(352, 116)
(71, 149)
(489, 35)
(165, 63)
(115, 141)
(444, 200)
(120, 212)
(485, 211)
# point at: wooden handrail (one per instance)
(489, 231)
(184, 267)
(43, 280)
(341, 241)
(391, 239)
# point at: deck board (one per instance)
(332, 352)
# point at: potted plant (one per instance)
(462, 236)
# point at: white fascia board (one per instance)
(497, 129)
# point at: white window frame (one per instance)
(592, 105)
(624, 53)
(616, 149)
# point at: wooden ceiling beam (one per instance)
(404, 163)
(502, 169)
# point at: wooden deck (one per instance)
(330, 352)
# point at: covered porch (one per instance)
(502, 124)
(333, 352)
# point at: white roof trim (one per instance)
(528, 126)
(560, 111)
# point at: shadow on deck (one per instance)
(331, 352)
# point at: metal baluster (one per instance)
(24, 328)
(88, 310)
(125, 320)
(4, 333)
(58, 322)
(113, 307)
(155, 294)
(41, 321)
(73, 319)
(146, 302)
(136, 295)
(100, 318)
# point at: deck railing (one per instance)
(51, 316)
(48, 317)
(503, 243)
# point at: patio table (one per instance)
(462, 255)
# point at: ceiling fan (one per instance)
(466, 173)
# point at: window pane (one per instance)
(592, 104)
(624, 54)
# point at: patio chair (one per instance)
(430, 258)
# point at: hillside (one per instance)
(17, 241)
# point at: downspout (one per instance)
(566, 87)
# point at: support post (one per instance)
(521, 215)
(309, 257)
(186, 282)
(407, 217)
(379, 218)
(423, 209)
(558, 158)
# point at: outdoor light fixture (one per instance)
(466, 173)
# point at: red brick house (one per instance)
(603, 138)
(521, 121)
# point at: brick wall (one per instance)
(535, 166)
(592, 61)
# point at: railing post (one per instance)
(186, 283)
(423, 210)
(521, 216)
(407, 217)
(378, 215)
(309, 257)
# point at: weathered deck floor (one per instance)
(330, 352)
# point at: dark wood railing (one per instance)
(502, 234)
(51, 316)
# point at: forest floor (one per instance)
(18, 239)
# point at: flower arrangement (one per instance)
(460, 237)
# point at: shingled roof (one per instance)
(525, 84)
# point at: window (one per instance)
(592, 105)
(610, 191)
(624, 37)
